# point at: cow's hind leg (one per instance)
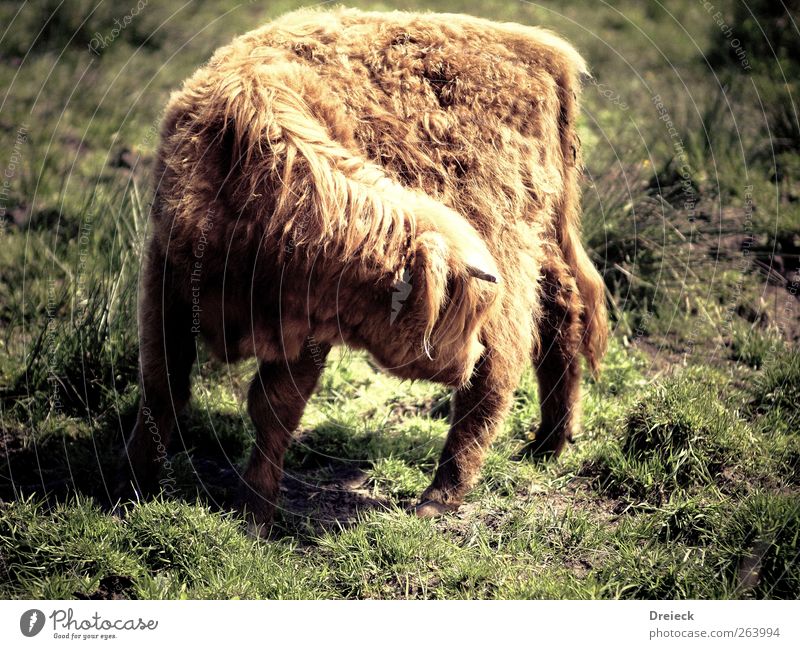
(477, 412)
(277, 397)
(557, 361)
(166, 355)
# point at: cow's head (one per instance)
(448, 287)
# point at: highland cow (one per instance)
(318, 163)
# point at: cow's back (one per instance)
(465, 109)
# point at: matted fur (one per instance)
(316, 163)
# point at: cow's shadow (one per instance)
(206, 458)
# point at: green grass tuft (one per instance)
(678, 436)
(776, 395)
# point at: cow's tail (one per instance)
(325, 198)
(590, 284)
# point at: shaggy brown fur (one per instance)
(320, 160)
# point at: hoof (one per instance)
(433, 509)
(258, 530)
(257, 513)
(136, 481)
(125, 491)
(259, 523)
(545, 448)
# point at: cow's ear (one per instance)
(477, 273)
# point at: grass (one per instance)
(675, 500)
(164, 550)
(676, 437)
(683, 482)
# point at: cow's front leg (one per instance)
(477, 413)
(277, 397)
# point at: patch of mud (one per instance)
(576, 495)
(319, 501)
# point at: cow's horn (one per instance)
(481, 274)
